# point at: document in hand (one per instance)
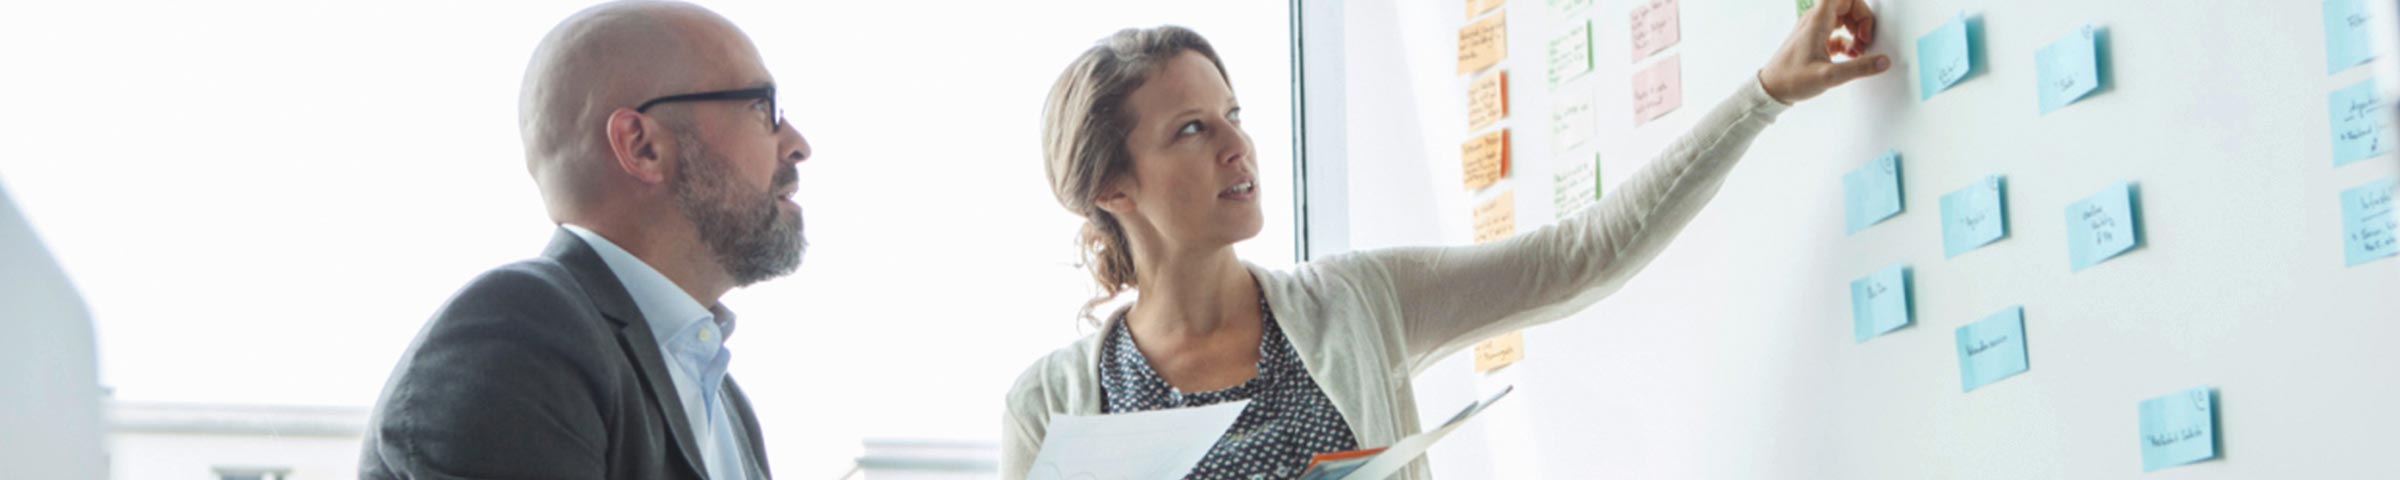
(1381, 463)
(1158, 444)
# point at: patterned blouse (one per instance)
(1289, 419)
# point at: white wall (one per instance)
(1730, 356)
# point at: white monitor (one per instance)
(50, 392)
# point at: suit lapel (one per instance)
(749, 429)
(633, 334)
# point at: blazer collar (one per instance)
(633, 334)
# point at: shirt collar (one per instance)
(666, 307)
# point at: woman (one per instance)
(1143, 139)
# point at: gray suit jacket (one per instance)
(542, 368)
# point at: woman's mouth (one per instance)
(1243, 190)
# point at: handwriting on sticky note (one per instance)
(1573, 120)
(1487, 99)
(1496, 218)
(2361, 128)
(1871, 193)
(1655, 27)
(1879, 303)
(1657, 90)
(2179, 428)
(1500, 351)
(1477, 7)
(2368, 223)
(1483, 43)
(1485, 159)
(2103, 226)
(1571, 53)
(1991, 349)
(2069, 68)
(2348, 35)
(1974, 216)
(1575, 185)
(1568, 8)
(1945, 56)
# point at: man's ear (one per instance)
(635, 141)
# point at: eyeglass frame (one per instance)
(754, 93)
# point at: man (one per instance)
(652, 132)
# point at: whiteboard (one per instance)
(1731, 355)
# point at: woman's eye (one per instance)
(1235, 116)
(1189, 128)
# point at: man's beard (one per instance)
(752, 239)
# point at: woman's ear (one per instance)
(634, 142)
(1116, 197)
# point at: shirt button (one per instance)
(706, 335)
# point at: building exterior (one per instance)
(233, 442)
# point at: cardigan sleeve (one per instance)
(1449, 297)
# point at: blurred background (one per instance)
(262, 202)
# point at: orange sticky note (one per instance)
(1500, 351)
(1487, 100)
(1655, 27)
(1485, 159)
(1483, 43)
(1496, 218)
(1477, 7)
(1658, 89)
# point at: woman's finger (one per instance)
(1860, 21)
(1844, 72)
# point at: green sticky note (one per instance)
(1805, 4)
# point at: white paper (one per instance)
(1158, 444)
(1391, 460)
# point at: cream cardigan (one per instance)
(1365, 322)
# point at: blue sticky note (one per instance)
(1991, 349)
(2069, 69)
(2360, 127)
(2347, 38)
(2179, 428)
(2103, 226)
(1871, 193)
(1974, 216)
(2367, 222)
(1945, 56)
(1879, 303)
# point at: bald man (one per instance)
(652, 132)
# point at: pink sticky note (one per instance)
(1655, 27)
(1658, 89)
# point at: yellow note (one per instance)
(1500, 351)
(1483, 43)
(1477, 7)
(1485, 159)
(1487, 100)
(1496, 218)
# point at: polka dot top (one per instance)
(1289, 419)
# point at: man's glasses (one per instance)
(765, 95)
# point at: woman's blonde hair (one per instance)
(1084, 125)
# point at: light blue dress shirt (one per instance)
(693, 341)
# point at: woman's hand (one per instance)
(1805, 68)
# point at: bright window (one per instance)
(319, 176)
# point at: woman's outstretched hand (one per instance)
(1804, 68)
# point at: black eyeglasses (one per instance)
(766, 93)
